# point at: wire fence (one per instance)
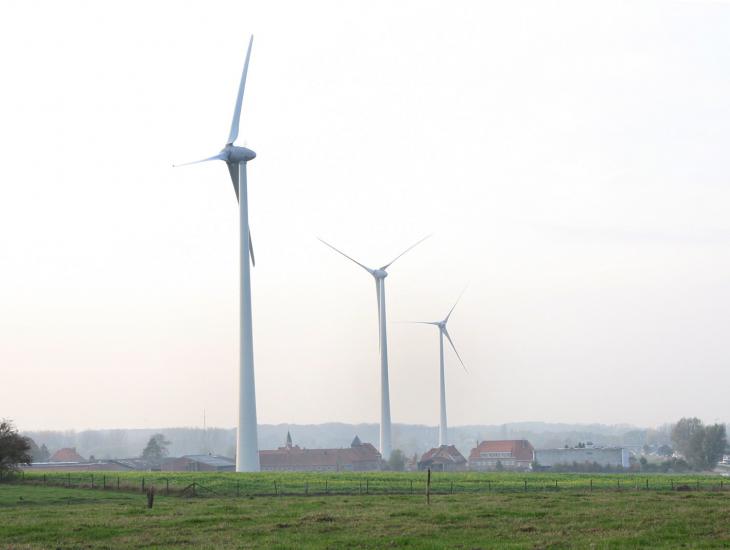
(251, 485)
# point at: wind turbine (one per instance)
(247, 448)
(379, 275)
(443, 429)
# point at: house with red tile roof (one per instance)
(358, 457)
(508, 454)
(445, 458)
(66, 455)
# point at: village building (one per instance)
(67, 454)
(358, 457)
(514, 454)
(198, 463)
(445, 458)
(613, 457)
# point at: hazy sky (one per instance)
(571, 160)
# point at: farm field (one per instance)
(34, 516)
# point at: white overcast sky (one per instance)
(570, 158)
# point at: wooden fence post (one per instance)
(591, 485)
(69, 481)
(92, 481)
(143, 484)
(525, 485)
(367, 486)
(428, 488)
(412, 486)
(117, 483)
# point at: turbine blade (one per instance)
(386, 266)
(239, 99)
(351, 259)
(418, 322)
(454, 306)
(219, 156)
(446, 333)
(233, 170)
(250, 248)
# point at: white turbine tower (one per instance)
(379, 275)
(247, 448)
(443, 428)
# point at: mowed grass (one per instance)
(51, 517)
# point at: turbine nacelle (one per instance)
(379, 273)
(235, 154)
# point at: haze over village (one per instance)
(556, 221)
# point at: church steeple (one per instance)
(288, 440)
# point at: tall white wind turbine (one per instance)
(443, 428)
(379, 275)
(247, 447)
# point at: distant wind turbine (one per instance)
(379, 275)
(247, 448)
(443, 429)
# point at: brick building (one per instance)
(516, 454)
(358, 457)
(445, 458)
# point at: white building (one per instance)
(603, 456)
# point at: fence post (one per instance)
(556, 483)
(367, 486)
(238, 487)
(22, 475)
(103, 482)
(452, 487)
(276, 492)
(143, 484)
(647, 482)
(326, 488)
(591, 485)
(618, 484)
(525, 485)
(306, 487)
(117, 483)
(69, 481)
(361, 486)
(412, 486)
(698, 484)
(44, 479)
(671, 481)
(428, 488)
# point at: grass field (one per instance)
(34, 516)
(303, 483)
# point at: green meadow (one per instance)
(350, 483)
(36, 516)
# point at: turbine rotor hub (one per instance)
(238, 154)
(380, 274)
